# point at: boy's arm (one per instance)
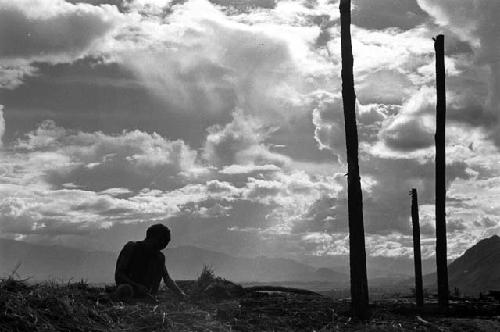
(170, 283)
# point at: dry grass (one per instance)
(206, 278)
(54, 306)
(215, 304)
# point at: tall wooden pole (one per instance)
(357, 251)
(417, 257)
(441, 250)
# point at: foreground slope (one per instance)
(79, 307)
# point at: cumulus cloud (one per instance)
(212, 63)
(66, 183)
(48, 31)
(28, 28)
(97, 161)
(412, 127)
(407, 131)
(328, 120)
(242, 142)
(401, 51)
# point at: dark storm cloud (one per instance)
(383, 86)
(382, 14)
(72, 33)
(50, 32)
(477, 24)
(90, 95)
(408, 136)
(387, 205)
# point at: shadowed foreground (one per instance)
(217, 305)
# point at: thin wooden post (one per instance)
(417, 257)
(441, 250)
(357, 251)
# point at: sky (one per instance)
(223, 119)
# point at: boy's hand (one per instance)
(182, 295)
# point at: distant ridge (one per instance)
(39, 262)
(185, 262)
(477, 270)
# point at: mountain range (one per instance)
(477, 270)
(61, 263)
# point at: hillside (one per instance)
(477, 270)
(55, 262)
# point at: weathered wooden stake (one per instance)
(357, 251)
(441, 250)
(417, 257)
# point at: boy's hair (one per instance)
(159, 231)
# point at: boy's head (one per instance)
(159, 235)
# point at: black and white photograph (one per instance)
(249, 165)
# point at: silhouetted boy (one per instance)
(141, 265)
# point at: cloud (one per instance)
(12, 74)
(408, 136)
(412, 127)
(471, 21)
(246, 5)
(388, 50)
(242, 142)
(248, 169)
(384, 86)
(212, 62)
(475, 22)
(383, 14)
(97, 161)
(67, 184)
(328, 120)
(2, 125)
(408, 131)
(48, 31)
(41, 30)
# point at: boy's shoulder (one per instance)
(129, 248)
(129, 245)
(132, 246)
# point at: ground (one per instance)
(223, 307)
